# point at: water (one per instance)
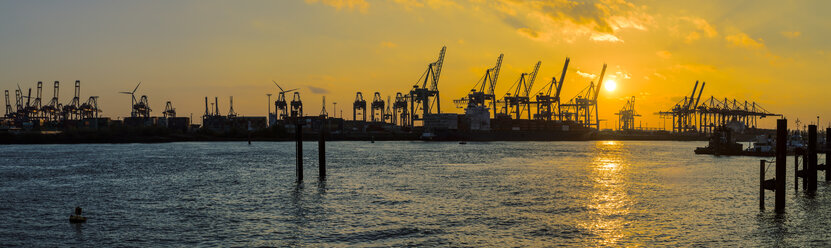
(397, 194)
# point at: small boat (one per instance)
(462, 142)
(77, 218)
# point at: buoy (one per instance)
(77, 218)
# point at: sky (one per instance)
(769, 52)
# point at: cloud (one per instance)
(530, 33)
(317, 90)
(388, 44)
(702, 25)
(564, 20)
(792, 34)
(606, 37)
(360, 5)
(586, 75)
(664, 54)
(743, 40)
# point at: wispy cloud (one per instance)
(586, 74)
(388, 44)
(792, 34)
(317, 90)
(360, 5)
(743, 40)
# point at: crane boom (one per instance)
(437, 72)
(562, 79)
(533, 77)
(699, 94)
(692, 96)
(599, 83)
(495, 74)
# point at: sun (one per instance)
(610, 85)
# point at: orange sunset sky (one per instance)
(771, 52)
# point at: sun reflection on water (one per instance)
(609, 201)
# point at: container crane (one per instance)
(482, 94)
(359, 103)
(420, 95)
(377, 104)
(545, 102)
(583, 107)
(520, 101)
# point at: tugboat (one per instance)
(721, 143)
(763, 146)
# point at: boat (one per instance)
(721, 142)
(762, 146)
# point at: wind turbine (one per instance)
(133, 95)
(281, 105)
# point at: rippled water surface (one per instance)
(398, 194)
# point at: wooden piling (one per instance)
(795, 173)
(321, 151)
(298, 135)
(812, 158)
(762, 184)
(781, 156)
(827, 152)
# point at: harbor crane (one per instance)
(359, 103)
(399, 110)
(71, 110)
(231, 113)
(425, 96)
(583, 107)
(140, 108)
(547, 104)
(626, 115)
(90, 108)
(52, 109)
(388, 115)
(281, 106)
(296, 105)
(683, 112)
(519, 101)
(483, 92)
(169, 111)
(9, 112)
(377, 104)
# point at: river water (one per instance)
(391, 193)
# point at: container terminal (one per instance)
(520, 114)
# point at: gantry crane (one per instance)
(546, 103)
(426, 96)
(281, 106)
(583, 107)
(482, 94)
(359, 103)
(296, 106)
(169, 111)
(231, 113)
(52, 109)
(519, 101)
(626, 115)
(399, 110)
(377, 104)
(71, 111)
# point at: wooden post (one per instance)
(321, 151)
(781, 156)
(827, 152)
(812, 158)
(795, 172)
(298, 135)
(762, 184)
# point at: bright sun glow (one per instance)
(610, 85)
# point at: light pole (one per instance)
(268, 115)
(335, 109)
